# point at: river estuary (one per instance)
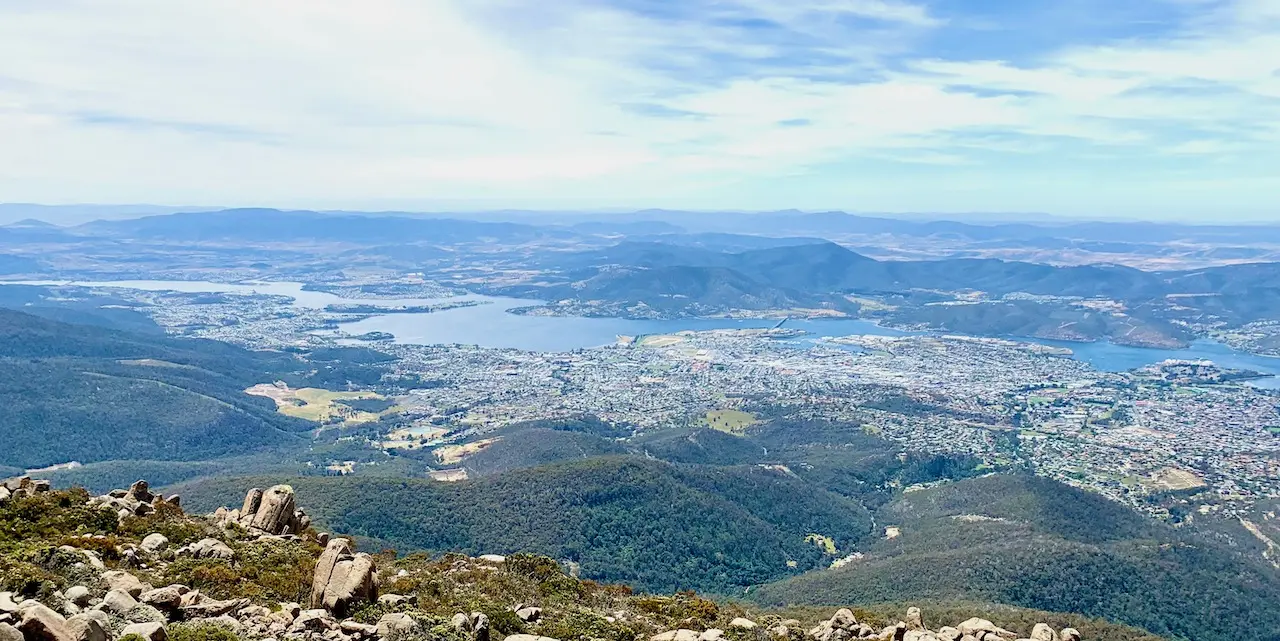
(490, 325)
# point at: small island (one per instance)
(375, 337)
(371, 309)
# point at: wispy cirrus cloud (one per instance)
(734, 103)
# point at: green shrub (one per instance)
(107, 548)
(264, 571)
(553, 583)
(26, 579)
(685, 608)
(169, 520)
(580, 626)
(51, 516)
(370, 613)
(504, 621)
(189, 632)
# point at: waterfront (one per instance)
(1085, 420)
(490, 325)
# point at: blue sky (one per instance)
(1157, 109)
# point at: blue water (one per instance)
(489, 325)
(1109, 357)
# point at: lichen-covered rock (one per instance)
(39, 623)
(272, 512)
(252, 501)
(461, 622)
(480, 629)
(168, 598)
(78, 594)
(124, 582)
(291, 610)
(393, 600)
(140, 491)
(343, 579)
(353, 581)
(314, 620)
(276, 514)
(209, 608)
(896, 632)
(207, 549)
(225, 621)
(9, 633)
(84, 627)
(839, 627)
(914, 619)
(1042, 632)
(976, 625)
(151, 631)
(336, 550)
(395, 624)
(23, 486)
(155, 543)
(919, 635)
(118, 602)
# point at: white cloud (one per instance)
(328, 101)
(1198, 147)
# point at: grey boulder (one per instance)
(155, 543)
(151, 631)
(8, 632)
(39, 623)
(84, 627)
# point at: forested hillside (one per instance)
(267, 574)
(1035, 543)
(87, 393)
(649, 524)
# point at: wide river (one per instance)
(489, 325)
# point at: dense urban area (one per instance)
(1180, 427)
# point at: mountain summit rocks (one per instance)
(238, 574)
(343, 579)
(273, 512)
(138, 500)
(844, 626)
(21, 486)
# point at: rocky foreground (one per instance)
(132, 566)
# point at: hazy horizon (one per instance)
(80, 213)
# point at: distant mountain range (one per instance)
(796, 262)
(669, 264)
(78, 214)
(657, 221)
(827, 266)
(270, 225)
(676, 278)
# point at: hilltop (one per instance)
(86, 393)
(1035, 543)
(132, 565)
